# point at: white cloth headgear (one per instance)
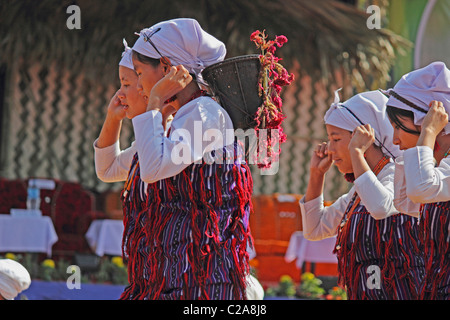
(184, 42)
(14, 278)
(415, 91)
(364, 108)
(127, 60)
(254, 289)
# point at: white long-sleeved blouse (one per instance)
(418, 180)
(199, 127)
(376, 193)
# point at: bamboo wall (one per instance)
(53, 115)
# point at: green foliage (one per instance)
(310, 287)
(336, 293)
(285, 288)
(111, 270)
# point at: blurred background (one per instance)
(56, 83)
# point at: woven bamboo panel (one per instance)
(54, 115)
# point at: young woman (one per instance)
(195, 220)
(418, 109)
(377, 247)
(113, 164)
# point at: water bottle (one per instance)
(33, 196)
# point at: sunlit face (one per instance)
(129, 96)
(403, 139)
(338, 140)
(148, 76)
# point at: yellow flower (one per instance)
(11, 256)
(285, 278)
(118, 261)
(307, 276)
(49, 263)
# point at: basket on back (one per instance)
(234, 82)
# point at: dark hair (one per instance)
(147, 60)
(395, 115)
(153, 62)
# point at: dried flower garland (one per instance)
(273, 76)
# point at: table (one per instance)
(27, 234)
(105, 237)
(301, 250)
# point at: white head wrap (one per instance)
(254, 290)
(14, 278)
(370, 108)
(126, 60)
(184, 42)
(419, 88)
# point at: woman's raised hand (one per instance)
(320, 159)
(362, 138)
(172, 83)
(115, 108)
(436, 118)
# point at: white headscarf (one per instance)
(14, 278)
(126, 60)
(370, 108)
(184, 42)
(419, 88)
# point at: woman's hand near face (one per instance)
(362, 138)
(111, 127)
(436, 118)
(320, 159)
(319, 165)
(172, 83)
(433, 123)
(115, 108)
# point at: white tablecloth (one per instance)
(27, 234)
(302, 250)
(105, 237)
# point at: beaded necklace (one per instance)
(446, 154)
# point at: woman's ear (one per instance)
(165, 62)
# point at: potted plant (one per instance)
(285, 288)
(310, 287)
(336, 293)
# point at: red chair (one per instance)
(69, 205)
(13, 194)
(72, 211)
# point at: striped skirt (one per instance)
(380, 259)
(188, 239)
(435, 235)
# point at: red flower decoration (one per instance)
(280, 40)
(272, 78)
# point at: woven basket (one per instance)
(234, 82)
